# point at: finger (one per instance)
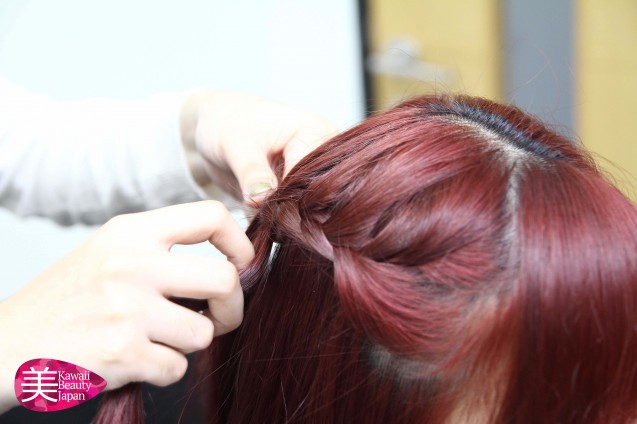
(252, 169)
(212, 279)
(184, 275)
(226, 312)
(160, 365)
(178, 327)
(191, 223)
(191, 277)
(306, 140)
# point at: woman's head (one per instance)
(449, 259)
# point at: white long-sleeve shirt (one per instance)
(88, 161)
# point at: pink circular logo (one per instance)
(45, 385)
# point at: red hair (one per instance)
(449, 260)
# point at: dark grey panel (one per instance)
(538, 42)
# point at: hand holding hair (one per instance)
(105, 305)
(230, 137)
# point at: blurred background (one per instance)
(305, 53)
(571, 62)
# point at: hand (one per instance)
(230, 136)
(104, 306)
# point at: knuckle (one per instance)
(218, 211)
(113, 265)
(203, 334)
(124, 317)
(118, 227)
(226, 280)
(199, 332)
(173, 371)
(117, 222)
(139, 374)
(233, 322)
(118, 348)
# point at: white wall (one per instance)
(303, 52)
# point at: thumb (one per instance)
(253, 172)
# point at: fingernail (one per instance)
(259, 188)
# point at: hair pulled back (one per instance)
(450, 259)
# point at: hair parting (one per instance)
(449, 260)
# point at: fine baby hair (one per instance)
(451, 260)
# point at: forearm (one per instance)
(88, 161)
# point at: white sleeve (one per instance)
(88, 161)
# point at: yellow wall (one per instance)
(607, 84)
(463, 36)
